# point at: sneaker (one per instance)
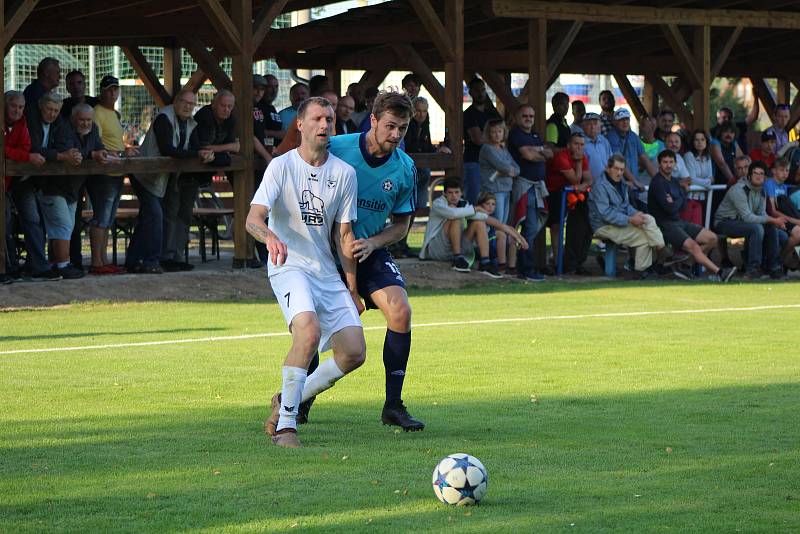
(46, 276)
(303, 410)
(272, 421)
(490, 270)
(681, 273)
(678, 257)
(70, 272)
(777, 274)
(723, 275)
(286, 437)
(646, 275)
(511, 271)
(5, 280)
(395, 413)
(531, 277)
(460, 264)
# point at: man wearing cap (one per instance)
(273, 127)
(597, 147)
(624, 141)
(766, 152)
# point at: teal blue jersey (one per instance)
(386, 186)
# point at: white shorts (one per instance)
(298, 292)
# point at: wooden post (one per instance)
(649, 98)
(783, 91)
(701, 97)
(2, 146)
(453, 83)
(172, 70)
(242, 72)
(537, 72)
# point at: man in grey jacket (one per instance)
(613, 218)
(743, 213)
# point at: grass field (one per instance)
(663, 421)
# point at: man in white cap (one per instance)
(624, 141)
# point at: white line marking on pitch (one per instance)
(416, 326)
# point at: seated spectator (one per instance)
(614, 218)
(741, 167)
(675, 143)
(344, 110)
(297, 94)
(743, 213)
(51, 140)
(171, 134)
(578, 114)
(17, 147)
(779, 205)
(446, 238)
(701, 174)
(724, 152)
(76, 87)
(487, 204)
(666, 199)
(766, 152)
(104, 190)
(570, 168)
(498, 170)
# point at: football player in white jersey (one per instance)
(310, 198)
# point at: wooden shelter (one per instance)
(693, 41)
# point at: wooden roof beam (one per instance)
(147, 74)
(630, 95)
(670, 97)
(765, 95)
(21, 13)
(223, 24)
(263, 22)
(208, 62)
(683, 54)
(436, 31)
(498, 83)
(373, 78)
(557, 53)
(725, 52)
(534, 9)
(422, 70)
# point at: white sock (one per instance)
(294, 378)
(324, 377)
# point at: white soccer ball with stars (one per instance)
(460, 479)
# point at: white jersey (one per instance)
(304, 201)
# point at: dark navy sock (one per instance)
(396, 349)
(314, 363)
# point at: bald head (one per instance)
(345, 108)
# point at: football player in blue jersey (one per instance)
(387, 184)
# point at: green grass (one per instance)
(672, 422)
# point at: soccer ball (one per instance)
(460, 479)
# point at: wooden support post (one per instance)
(701, 97)
(208, 62)
(335, 79)
(763, 92)
(226, 28)
(453, 80)
(199, 76)
(669, 97)
(263, 21)
(556, 54)
(2, 146)
(784, 88)
(502, 88)
(630, 95)
(537, 72)
(683, 54)
(147, 75)
(242, 16)
(723, 54)
(649, 98)
(172, 70)
(373, 78)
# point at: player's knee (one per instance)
(306, 332)
(401, 314)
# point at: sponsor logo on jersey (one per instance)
(372, 204)
(312, 209)
(387, 185)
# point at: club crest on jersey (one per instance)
(312, 208)
(331, 183)
(388, 185)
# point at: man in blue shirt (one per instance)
(597, 147)
(624, 141)
(387, 182)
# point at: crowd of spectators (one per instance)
(646, 191)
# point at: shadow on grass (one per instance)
(80, 335)
(711, 459)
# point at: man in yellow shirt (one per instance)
(104, 191)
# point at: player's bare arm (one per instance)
(257, 228)
(343, 238)
(393, 233)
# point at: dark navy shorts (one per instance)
(376, 272)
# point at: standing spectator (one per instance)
(475, 117)
(48, 76)
(318, 84)
(297, 94)
(17, 147)
(411, 86)
(291, 139)
(652, 148)
(597, 147)
(675, 143)
(172, 134)
(743, 213)
(665, 121)
(273, 127)
(779, 205)
(344, 112)
(766, 152)
(104, 191)
(528, 192)
(614, 218)
(76, 87)
(578, 114)
(666, 199)
(607, 105)
(259, 122)
(782, 117)
(558, 132)
(624, 141)
(570, 168)
(51, 140)
(725, 114)
(724, 153)
(370, 94)
(356, 91)
(701, 174)
(498, 170)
